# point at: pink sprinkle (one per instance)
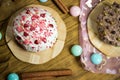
(32, 28)
(27, 22)
(44, 40)
(42, 24)
(23, 18)
(26, 41)
(36, 10)
(41, 29)
(30, 42)
(19, 29)
(34, 17)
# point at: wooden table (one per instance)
(8, 63)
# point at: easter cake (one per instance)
(35, 29)
(36, 34)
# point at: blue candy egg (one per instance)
(13, 76)
(76, 50)
(96, 58)
(43, 0)
(0, 35)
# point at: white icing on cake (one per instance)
(35, 29)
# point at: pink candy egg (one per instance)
(75, 11)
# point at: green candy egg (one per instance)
(76, 50)
(43, 1)
(96, 58)
(13, 76)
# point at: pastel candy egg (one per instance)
(0, 35)
(96, 58)
(76, 50)
(75, 11)
(13, 76)
(43, 0)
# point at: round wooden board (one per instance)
(107, 49)
(39, 57)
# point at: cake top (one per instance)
(35, 29)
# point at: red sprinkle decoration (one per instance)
(26, 34)
(28, 12)
(26, 25)
(42, 15)
(36, 42)
(50, 25)
(32, 28)
(18, 37)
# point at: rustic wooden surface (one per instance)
(8, 63)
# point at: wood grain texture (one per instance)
(8, 63)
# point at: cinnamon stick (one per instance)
(61, 5)
(39, 78)
(46, 74)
